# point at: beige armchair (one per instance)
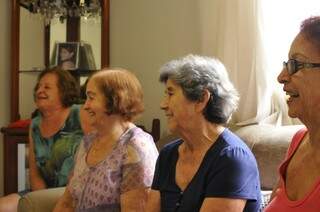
(40, 201)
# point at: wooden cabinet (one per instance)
(11, 138)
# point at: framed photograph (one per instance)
(67, 55)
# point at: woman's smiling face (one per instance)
(302, 87)
(178, 109)
(47, 92)
(95, 103)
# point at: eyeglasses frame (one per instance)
(297, 65)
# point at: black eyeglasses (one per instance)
(293, 65)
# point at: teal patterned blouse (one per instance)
(55, 155)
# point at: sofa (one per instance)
(267, 142)
(40, 201)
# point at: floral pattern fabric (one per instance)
(130, 165)
(55, 155)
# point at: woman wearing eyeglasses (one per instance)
(299, 185)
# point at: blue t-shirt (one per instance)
(228, 170)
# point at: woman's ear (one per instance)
(202, 103)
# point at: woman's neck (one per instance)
(202, 136)
(313, 131)
(54, 113)
(112, 130)
(314, 138)
(52, 121)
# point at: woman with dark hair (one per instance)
(209, 168)
(299, 188)
(68, 87)
(55, 133)
(114, 165)
(67, 57)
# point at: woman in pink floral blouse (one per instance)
(115, 165)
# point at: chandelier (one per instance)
(63, 9)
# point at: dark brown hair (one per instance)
(310, 28)
(122, 90)
(68, 87)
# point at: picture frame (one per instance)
(67, 55)
(87, 61)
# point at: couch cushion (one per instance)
(269, 145)
(41, 200)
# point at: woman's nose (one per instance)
(86, 105)
(39, 89)
(163, 104)
(284, 76)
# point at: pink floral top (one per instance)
(129, 166)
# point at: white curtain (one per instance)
(253, 54)
(239, 47)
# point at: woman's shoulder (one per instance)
(35, 120)
(75, 109)
(35, 125)
(171, 146)
(137, 145)
(137, 137)
(134, 133)
(73, 120)
(231, 148)
(36, 116)
(229, 140)
(170, 151)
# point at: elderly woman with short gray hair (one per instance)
(209, 168)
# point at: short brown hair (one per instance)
(122, 90)
(69, 89)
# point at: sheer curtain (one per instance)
(252, 39)
(282, 20)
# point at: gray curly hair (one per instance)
(194, 74)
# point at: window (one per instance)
(281, 21)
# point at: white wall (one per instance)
(31, 57)
(90, 32)
(147, 33)
(57, 34)
(4, 76)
